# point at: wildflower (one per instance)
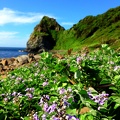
(62, 91)
(35, 117)
(42, 75)
(111, 62)
(19, 94)
(116, 68)
(43, 99)
(78, 60)
(5, 99)
(36, 64)
(14, 93)
(70, 117)
(46, 96)
(66, 103)
(45, 83)
(69, 89)
(19, 78)
(36, 74)
(12, 77)
(30, 96)
(100, 99)
(52, 108)
(56, 118)
(45, 106)
(43, 117)
(30, 90)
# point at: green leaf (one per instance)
(116, 106)
(113, 88)
(86, 117)
(71, 111)
(91, 102)
(83, 92)
(73, 68)
(90, 117)
(105, 82)
(117, 77)
(64, 79)
(26, 118)
(77, 74)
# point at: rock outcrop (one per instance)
(44, 35)
(8, 64)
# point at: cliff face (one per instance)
(44, 35)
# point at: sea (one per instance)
(8, 52)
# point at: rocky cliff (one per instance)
(44, 35)
(91, 32)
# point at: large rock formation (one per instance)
(44, 35)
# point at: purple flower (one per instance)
(62, 91)
(56, 118)
(66, 103)
(100, 99)
(51, 108)
(43, 117)
(5, 99)
(30, 96)
(45, 83)
(70, 117)
(78, 60)
(29, 89)
(45, 107)
(19, 94)
(46, 97)
(99, 108)
(43, 99)
(116, 68)
(35, 117)
(14, 93)
(12, 77)
(36, 64)
(19, 78)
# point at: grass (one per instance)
(92, 31)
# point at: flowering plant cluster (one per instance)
(76, 87)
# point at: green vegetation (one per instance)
(92, 31)
(77, 87)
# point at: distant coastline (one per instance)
(8, 52)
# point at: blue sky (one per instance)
(19, 17)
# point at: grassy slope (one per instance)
(92, 31)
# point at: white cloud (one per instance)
(10, 16)
(67, 23)
(7, 35)
(8, 39)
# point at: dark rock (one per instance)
(44, 35)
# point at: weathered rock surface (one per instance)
(9, 64)
(44, 35)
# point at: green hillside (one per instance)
(92, 31)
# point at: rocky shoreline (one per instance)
(9, 64)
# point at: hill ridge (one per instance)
(91, 31)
